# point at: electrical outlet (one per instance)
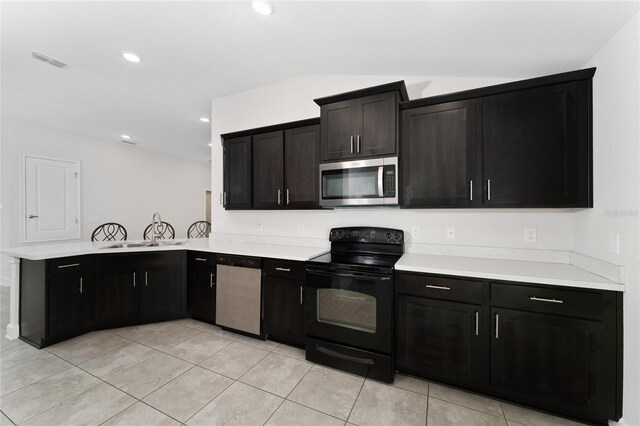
(451, 233)
(415, 232)
(530, 235)
(259, 227)
(301, 228)
(614, 243)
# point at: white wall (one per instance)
(293, 100)
(616, 152)
(119, 183)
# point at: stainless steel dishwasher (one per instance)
(239, 292)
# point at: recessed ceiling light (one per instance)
(204, 119)
(125, 136)
(262, 7)
(131, 57)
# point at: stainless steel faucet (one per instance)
(155, 227)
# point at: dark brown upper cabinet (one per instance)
(537, 147)
(301, 167)
(268, 170)
(441, 156)
(362, 123)
(237, 173)
(282, 165)
(521, 144)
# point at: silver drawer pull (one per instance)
(283, 269)
(542, 299)
(211, 281)
(477, 314)
(438, 287)
(201, 259)
(71, 265)
(301, 295)
(80, 285)
(497, 326)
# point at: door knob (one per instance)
(32, 216)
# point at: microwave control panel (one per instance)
(389, 181)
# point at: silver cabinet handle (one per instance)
(283, 269)
(301, 295)
(489, 189)
(477, 314)
(542, 299)
(134, 279)
(211, 281)
(80, 285)
(471, 190)
(278, 197)
(358, 144)
(352, 144)
(70, 265)
(287, 196)
(146, 279)
(201, 259)
(497, 326)
(438, 287)
(224, 199)
(33, 216)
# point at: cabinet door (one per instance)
(301, 167)
(66, 308)
(237, 173)
(537, 147)
(284, 310)
(440, 339)
(376, 125)
(268, 171)
(441, 156)
(117, 295)
(202, 287)
(551, 360)
(162, 295)
(338, 130)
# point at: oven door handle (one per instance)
(350, 275)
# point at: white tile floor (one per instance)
(188, 372)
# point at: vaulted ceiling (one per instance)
(195, 51)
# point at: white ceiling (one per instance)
(194, 51)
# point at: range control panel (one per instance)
(367, 235)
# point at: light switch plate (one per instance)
(614, 243)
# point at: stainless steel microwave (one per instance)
(359, 183)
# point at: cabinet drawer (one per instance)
(67, 265)
(201, 258)
(284, 269)
(550, 300)
(439, 287)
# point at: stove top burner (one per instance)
(363, 249)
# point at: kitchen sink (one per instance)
(145, 244)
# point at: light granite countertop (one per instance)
(560, 274)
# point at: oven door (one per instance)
(351, 308)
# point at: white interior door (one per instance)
(52, 199)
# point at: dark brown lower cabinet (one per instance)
(284, 301)
(202, 294)
(161, 296)
(440, 339)
(117, 293)
(56, 299)
(558, 349)
(551, 360)
(66, 304)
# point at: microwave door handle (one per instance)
(380, 181)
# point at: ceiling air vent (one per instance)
(128, 142)
(48, 59)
